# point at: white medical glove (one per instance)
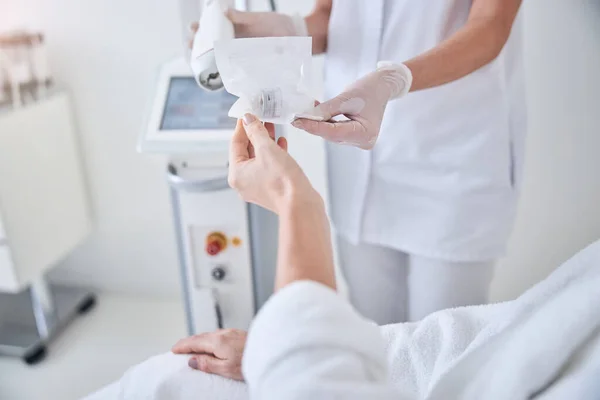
(259, 24)
(363, 103)
(266, 24)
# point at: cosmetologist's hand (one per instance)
(218, 353)
(260, 24)
(262, 171)
(363, 103)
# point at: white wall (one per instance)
(108, 51)
(559, 212)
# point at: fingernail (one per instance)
(298, 124)
(193, 363)
(248, 119)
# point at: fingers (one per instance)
(332, 131)
(202, 343)
(271, 129)
(238, 149)
(193, 27)
(230, 14)
(283, 143)
(216, 366)
(208, 364)
(329, 109)
(239, 17)
(256, 132)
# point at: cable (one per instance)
(273, 5)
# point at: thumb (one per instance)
(236, 16)
(193, 27)
(257, 133)
(325, 111)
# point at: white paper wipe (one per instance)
(271, 76)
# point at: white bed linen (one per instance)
(308, 343)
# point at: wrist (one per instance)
(397, 77)
(300, 27)
(298, 200)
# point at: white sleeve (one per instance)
(307, 342)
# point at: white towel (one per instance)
(579, 380)
(505, 351)
(544, 345)
(168, 377)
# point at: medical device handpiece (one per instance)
(213, 26)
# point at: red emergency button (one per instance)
(216, 242)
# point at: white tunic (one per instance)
(442, 178)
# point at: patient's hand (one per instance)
(218, 353)
(262, 171)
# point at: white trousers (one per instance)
(390, 286)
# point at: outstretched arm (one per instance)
(470, 48)
(267, 24)
(306, 341)
(364, 101)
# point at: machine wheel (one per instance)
(35, 356)
(87, 305)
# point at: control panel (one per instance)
(219, 278)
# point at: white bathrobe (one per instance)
(308, 343)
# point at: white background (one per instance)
(107, 53)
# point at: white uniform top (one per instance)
(442, 178)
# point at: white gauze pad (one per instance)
(271, 76)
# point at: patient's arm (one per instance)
(305, 251)
(263, 173)
(307, 342)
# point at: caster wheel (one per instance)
(87, 305)
(35, 356)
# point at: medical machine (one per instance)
(226, 247)
(213, 26)
(44, 215)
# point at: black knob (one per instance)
(218, 273)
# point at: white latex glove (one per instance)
(363, 103)
(266, 24)
(259, 24)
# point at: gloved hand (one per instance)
(266, 24)
(363, 103)
(260, 24)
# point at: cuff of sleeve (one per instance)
(402, 76)
(305, 315)
(299, 24)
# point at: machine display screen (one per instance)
(189, 107)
